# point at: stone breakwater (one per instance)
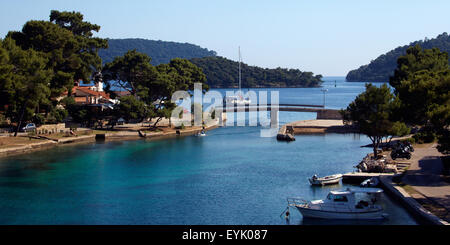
(319, 126)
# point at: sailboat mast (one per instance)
(239, 68)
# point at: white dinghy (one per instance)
(200, 134)
(327, 180)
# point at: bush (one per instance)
(181, 127)
(39, 119)
(411, 140)
(56, 116)
(424, 137)
(4, 123)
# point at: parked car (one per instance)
(29, 127)
(121, 121)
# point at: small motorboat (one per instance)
(372, 182)
(201, 134)
(345, 204)
(327, 180)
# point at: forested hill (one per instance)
(220, 72)
(380, 69)
(159, 51)
(224, 73)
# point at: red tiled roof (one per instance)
(89, 91)
(81, 99)
(74, 89)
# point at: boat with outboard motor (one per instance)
(327, 180)
(200, 134)
(344, 204)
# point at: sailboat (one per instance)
(239, 98)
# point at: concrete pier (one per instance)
(357, 178)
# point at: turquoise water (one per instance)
(232, 176)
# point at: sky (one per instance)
(325, 37)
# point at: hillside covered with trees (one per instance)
(220, 72)
(161, 52)
(223, 73)
(420, 98)
(380, 69)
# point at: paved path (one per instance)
(424, 175)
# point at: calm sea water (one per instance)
(232, 176)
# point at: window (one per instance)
(340, 199)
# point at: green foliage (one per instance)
(38, 119)
(220, 72)
(427, 136)
(78, 113)
(417, 60)
(398, 129)
(130, 71)
(153, 86)
(67, 43)
(410, 140)
(160, 51)
(40, 62)
(223, 73)
(179, 74)
(371, 111)
(130, 108)
(181, 126)
(422, 84)
(57, 115)
(23, 81)
(380, 69)
(73, 21)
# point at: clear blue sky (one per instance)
(325, 37)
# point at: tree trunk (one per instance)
(375, 143)
(375, 153)
(20, 120)
(390, 139)
(157, 121)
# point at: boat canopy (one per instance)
(341, 192)
(359, 190)
(366, 190)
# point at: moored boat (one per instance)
(327, 180)
(239, 99)
(345, 204)
(200, 134)
(372, 182)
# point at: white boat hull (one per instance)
(321, 214)
(330, 180)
